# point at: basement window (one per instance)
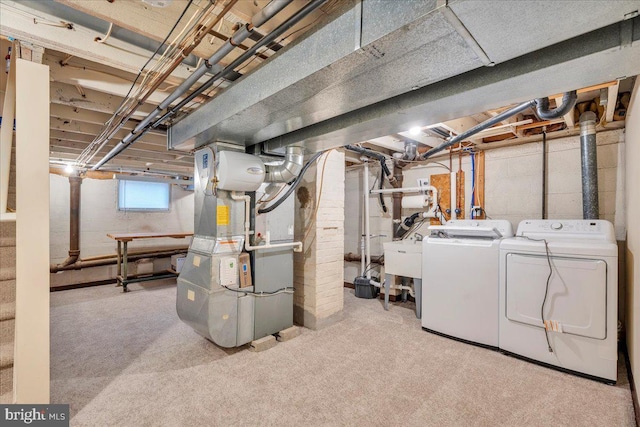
(143, 196)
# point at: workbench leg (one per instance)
(119, 269)
(124, 268)
(417, 290)
(387, 288)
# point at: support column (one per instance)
(31, 365)
(319, 269)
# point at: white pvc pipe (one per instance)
(297, 246)
(454, 195)
(367, 231)
(399, 190)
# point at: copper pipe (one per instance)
(139, 252)
(78, 265)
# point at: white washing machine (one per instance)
(460, 279)
(571, 285)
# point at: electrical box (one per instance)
(244, 264)
(177, 261)
(228, 272)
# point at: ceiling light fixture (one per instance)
(69, 169)
(415, 131)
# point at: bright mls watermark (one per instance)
(34, 415)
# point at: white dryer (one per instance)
(460, 279)
(559, 295)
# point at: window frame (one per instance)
(122, 182)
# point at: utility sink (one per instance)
(403, 258)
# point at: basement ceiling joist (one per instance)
(22, 21)
(158, 139)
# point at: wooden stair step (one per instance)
(7, 311)
(7, 291)
(8, 273)
(6, 355)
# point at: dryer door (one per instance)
(577, 297)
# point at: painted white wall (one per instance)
(100, 216)
(513, 188)
(633, 231)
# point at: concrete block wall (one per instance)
(100, 216)
(318, 270)
(513, 180)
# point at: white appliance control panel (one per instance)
(592, 229)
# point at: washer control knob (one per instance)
(556, 226)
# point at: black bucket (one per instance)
(364, 288)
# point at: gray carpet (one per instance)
(126, 360)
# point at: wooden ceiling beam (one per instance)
(157, 21)
(89, 99)
(612, 101)
(19, 21)
(86, 140)
(156, 138)
(76, 115)
(127, 164)
(75, 148)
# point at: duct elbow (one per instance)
(568, 102)
(287, 170)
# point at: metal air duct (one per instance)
(289, 168)
(589, 163)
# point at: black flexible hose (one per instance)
(407, 224)
(381, 197)
(293, 186)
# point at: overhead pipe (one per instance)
(74, 223)
(229, 69)
(589, 163)
(158, 80)
(268, 12)
(287, 170)
(374, 155)
(541, 106)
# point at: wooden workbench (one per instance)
(123, 239)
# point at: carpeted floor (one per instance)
(126, 360)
